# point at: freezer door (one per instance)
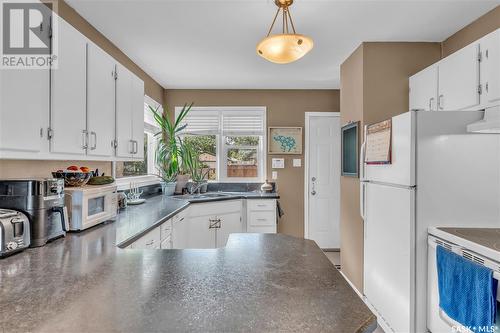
(401, 171)
(389, 258)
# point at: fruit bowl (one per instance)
(73, 178)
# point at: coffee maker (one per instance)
(42, 201)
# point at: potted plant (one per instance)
(191, 160)
(168, 154)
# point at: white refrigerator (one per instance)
(439, 175)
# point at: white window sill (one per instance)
(124, 183)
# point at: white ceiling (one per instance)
(207, 44)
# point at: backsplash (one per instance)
(42, 169)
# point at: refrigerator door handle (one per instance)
(362, 200)
(362, 178)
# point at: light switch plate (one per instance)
(278, 163)
(297, 162)
(275, 175)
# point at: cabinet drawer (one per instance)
(151, 240)
(166, 229)
(262, 229)
(261, 219)
(256, 205)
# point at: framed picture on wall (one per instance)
(350, 152)
(285, 140)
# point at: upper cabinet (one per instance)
(458, 87)
(68, 93)
(129, 114)
(468, 79)
(24, 112)
(491, 68)
(423, 89)
(100, 102)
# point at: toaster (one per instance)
(14, 232)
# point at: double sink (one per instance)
(203, 196)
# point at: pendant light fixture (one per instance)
(288, 46)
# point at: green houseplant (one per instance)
(191, 160)
(168, 154)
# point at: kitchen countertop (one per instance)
(135, 221)
(258, 282)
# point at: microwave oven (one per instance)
(90, 205)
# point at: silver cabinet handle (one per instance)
(135, 146)
(440, 102)
(85, 137)
(431, 101)
(150, 243)
(132, 146)
(93, 135)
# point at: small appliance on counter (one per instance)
(90, 205)
(14, 232)
(42, 201)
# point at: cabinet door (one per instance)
(151, 240)
(459, 80)
(423, 89)
(198, 233)
(100, 102)
(179, 233)
(491, 64)
(68, 111)
(123, 112)
(24, 109)
(229, 223)
(138, 117)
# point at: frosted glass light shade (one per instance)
(284, 48)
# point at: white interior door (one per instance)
(323, 180)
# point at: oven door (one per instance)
(97, 208)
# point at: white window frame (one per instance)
(151, 178)
(222, 147)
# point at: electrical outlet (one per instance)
(297, 162)
(275, 175)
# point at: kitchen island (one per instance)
(258, 282)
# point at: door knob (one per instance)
(313, 192)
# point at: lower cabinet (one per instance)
(208, 225)
(261, 216)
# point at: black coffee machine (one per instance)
(42, 200)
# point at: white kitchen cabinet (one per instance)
(166, 244)
(129, 114)
(261, 216)
(151, 240)
(68, 93)
(100, 102)
(424, 89)
(459, 80)
(229, 223)
(179, 230)
(490, 70)
(24, 111)
(200, 232)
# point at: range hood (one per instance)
(489, 124)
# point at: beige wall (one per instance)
(284, 108)
(477, 29)
(43, 169)
(351, 224)
(374, 87)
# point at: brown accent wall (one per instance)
(477, 29)
(284, 108)
(152, 88)
(374, 87)
(43, 169)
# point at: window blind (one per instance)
(201, 122)
(243, 123)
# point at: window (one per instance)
(147, 166)
(230, 141)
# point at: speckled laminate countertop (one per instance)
(259, 282)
